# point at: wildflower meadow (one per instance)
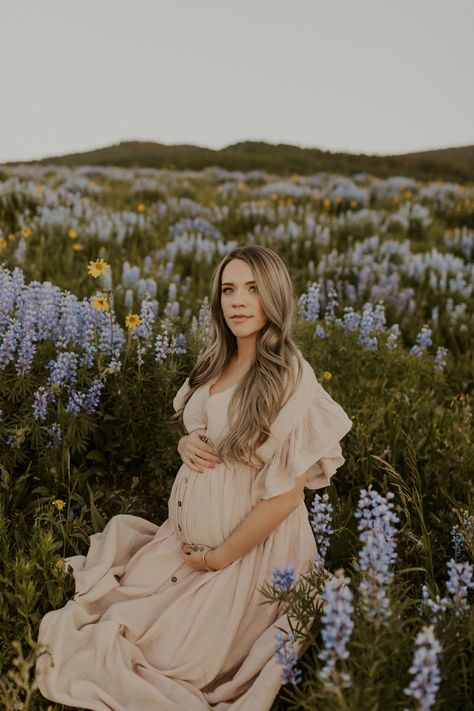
(103, 311)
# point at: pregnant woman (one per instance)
(170, 617)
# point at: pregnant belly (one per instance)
(206, 507)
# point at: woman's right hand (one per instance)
(195, 446)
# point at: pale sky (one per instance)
(367, 76)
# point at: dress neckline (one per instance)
(220, 392)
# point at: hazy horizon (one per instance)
(363, 78)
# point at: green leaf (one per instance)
(98, 521)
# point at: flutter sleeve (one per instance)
(178, 400)
(304, 440)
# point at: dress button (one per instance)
(179, 503)
(179, 527)
(174, 579)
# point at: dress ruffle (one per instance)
(311, 447)
(178, 400)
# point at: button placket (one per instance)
(178, 514)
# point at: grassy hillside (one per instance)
(455, 164)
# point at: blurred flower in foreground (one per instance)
(426, 679)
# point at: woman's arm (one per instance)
(266, 515)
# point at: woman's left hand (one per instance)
(194, 557)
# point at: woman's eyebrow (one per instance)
(224, 283)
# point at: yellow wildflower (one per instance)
(59, 503)
(97, 268)
(100, 303)
(327, 375)
(132, 320)
(11, 237)
(353, 203)
(3, 243)
(77, 246)
(26, 232)
(59, 564)
(72, 234)
(327, 202)
(141, 207)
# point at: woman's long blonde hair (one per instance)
(258, 398)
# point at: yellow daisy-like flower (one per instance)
(353, 203)
(132, 320)
(59, 504)
(26, 232)
(327, 375)
(100, 303)
(11, 237)
(98, 267)
(3, 243)
(59, 564)
(327, 202)
(72, 234)
(77, 246)
(40, 189)
(141, 207)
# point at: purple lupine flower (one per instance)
(394, 333)
(26, 346)
(426, 677)
(319, 332)
(162, 347)
(378, 551)
(75, 403)
(457, 540)
(368, 325)
(42, 397)
(438, 605)
(309, 303)
(459, 581)
(337, 629)
(147, 316)
(379, 318)
(284, 578)
(423, 340)
(92, 396)
(178, 344)
(8, 344)
(285, 655)
(321, 520)
(332, 302)
(115, 364)
(440, 357)
(55, 432)
(350, 319)
(63, 370)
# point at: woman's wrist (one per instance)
(215, 559)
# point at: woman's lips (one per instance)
(238, 319)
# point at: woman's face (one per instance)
(240, 297)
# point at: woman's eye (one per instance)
(228, 288)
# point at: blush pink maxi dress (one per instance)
(145, 631)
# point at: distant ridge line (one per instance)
(450, 164)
